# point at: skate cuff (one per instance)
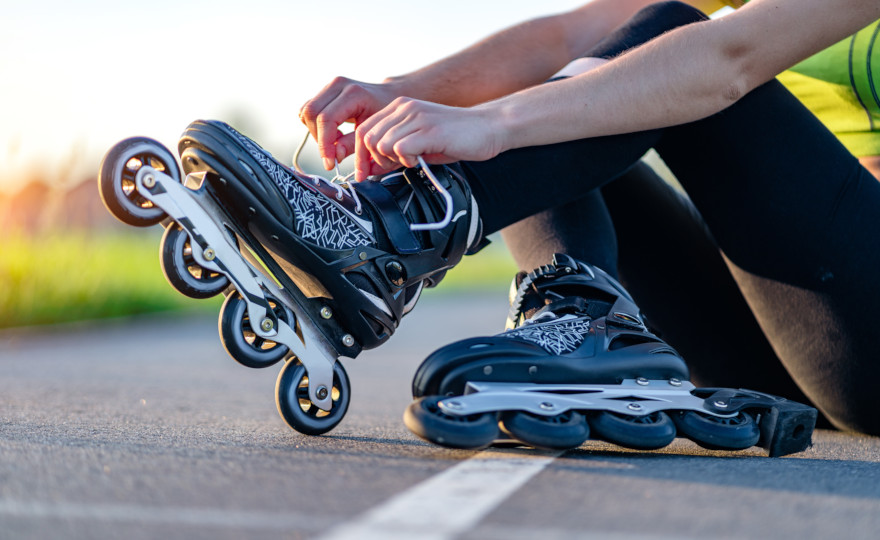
(386, 210)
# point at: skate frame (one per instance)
(633, 397)
(201, 220)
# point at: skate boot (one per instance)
(577, 362)
(366, 250)
(312, 270)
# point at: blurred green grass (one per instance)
(73, 276)
(64, 277)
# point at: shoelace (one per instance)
(339, 182)
(342, 185)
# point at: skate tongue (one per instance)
(574, 305)
(548, 316)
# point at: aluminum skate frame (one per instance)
(202, 220)
(633, 397)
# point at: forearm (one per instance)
(626, 95)
(516, 58)
(705, 68)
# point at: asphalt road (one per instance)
(144, 428)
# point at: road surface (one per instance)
(144, 428)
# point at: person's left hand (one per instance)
(408, 128)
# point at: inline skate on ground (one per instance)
(312, 269)
(577, 362)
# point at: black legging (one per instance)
(790, 209)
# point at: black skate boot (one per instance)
(362, 251)
(578, 362)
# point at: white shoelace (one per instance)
(342, 185)
(339, 182)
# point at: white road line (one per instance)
(449, 503)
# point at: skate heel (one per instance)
(786, 426)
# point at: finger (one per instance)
(345, 146)
(373, 141)
(410, 130)
(366, 165)
(362, 157)
(308, 113)
(362, 160)
(379, 140)
(408, 148)
(328, 131)
(376, 170)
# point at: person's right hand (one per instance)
(343, 100)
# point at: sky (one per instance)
(75, 77)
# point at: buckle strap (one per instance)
(386, 210)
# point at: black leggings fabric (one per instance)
(762, 276)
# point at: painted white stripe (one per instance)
(449, 503)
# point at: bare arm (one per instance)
(516, 58)
(682, 76)
(706, 68)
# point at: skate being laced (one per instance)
(343, 185)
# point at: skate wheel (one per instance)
(298, 411)
(647, 432)
(242, 342)
(717, 433)
(563, 431)
(181, 269)
(116, 179)
(425, 418)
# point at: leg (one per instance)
(671, 263)
(790, 207)
(797, 225)
(668, 259)
(503, 180)
(581, 228)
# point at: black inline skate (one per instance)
(577, 362)
(312, 269)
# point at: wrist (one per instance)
(403, 86)
(501, 119)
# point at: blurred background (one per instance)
(76, 77)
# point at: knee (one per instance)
(650, 22)
(669, 15)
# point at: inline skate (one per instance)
(312, 269)
(578, 362)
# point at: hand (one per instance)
(408, 128)
(343, 100)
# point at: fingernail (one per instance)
(328, 163)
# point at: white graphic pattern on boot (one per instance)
(560, 336)
(316, 218)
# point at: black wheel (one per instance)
(647, 432)
(563, 431)
(715, 433)
(116, 179)
(181, 269)
(425, 418)
(295, 407)
(242, 342)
